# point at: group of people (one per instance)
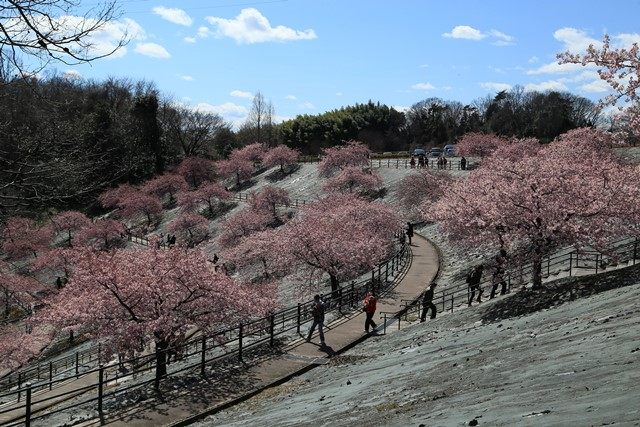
(474, 278)
(441, 163)
(318, 308)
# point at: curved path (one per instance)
(297, 357)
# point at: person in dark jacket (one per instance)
(497, 278)
(409, 231)
(463, 163)
(427, 303)
(317, 311)
(473, 280)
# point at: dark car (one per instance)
(435, 152)
(419, 152)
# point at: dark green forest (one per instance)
(63, 141)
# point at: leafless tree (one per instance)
(193, 131)
(35, 32)
(259, 123)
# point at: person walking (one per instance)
(473, 280)
(412, 162)
(420, 162)
(463, 163)
(427, 303)
(497, 278)
(369, 307)
(317, 311)
(409, 232)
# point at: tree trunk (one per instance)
(161, 361)
(536, 272)
(334, 285)
(70, 245)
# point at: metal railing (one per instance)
(458, 294)
(196, 354)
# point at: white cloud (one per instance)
(424, 65)
(241, 94)
(204, 32)
(574, 40)
(291, 97)
(177, 16)
(229, 111)
(544, 86)
(186, 77)
(189, 39)
(250, 26)
(423, 86)
(307, 105)
(152, 50)
(596, 86)
(338, 93)
(533, 60)
(465, 32)
(625, 39)
(72, 74)
(555, 68)
(502, 38)
(494, 86)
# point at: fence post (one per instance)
(635, 250)
(388, 162)
(452, 303)
(379, 163)
(570, 262)
(50, 374)
(240, 342)
(597, 259)
(271, 328)
(77, 364)
(203, 356)
(443, 301)
(100, 388)
(386, 272)
(352, 299)
(384, 329)
(27, 407)
(548, 265)
(19, 385)
(298, 319)
(99, 351)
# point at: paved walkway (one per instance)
(297, 357)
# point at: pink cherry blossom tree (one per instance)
(418, 191)
(191, 228)
(69, 223)
(165, 185)
(22, 237)
(282, 156)
(620, 68)
(104, 234)
(16, 290)
(132, 297)
(18, 346)
(139, 204)
(267, 200)
(211, 194)
(340, 235)
(478, 144)
(196, 170)
(55, 262)
(353, 153)
(112, 198)
(261, 254)
(236, 167)
(538, 204)
(242, 224)
(253, 153)
(352, 179)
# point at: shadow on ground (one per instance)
(559, 292)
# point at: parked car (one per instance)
(419, 152)
(450, 150)
(435, 152)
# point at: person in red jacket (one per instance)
(369, 307)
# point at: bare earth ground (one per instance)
(500, 363)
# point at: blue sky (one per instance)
(313, 56)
